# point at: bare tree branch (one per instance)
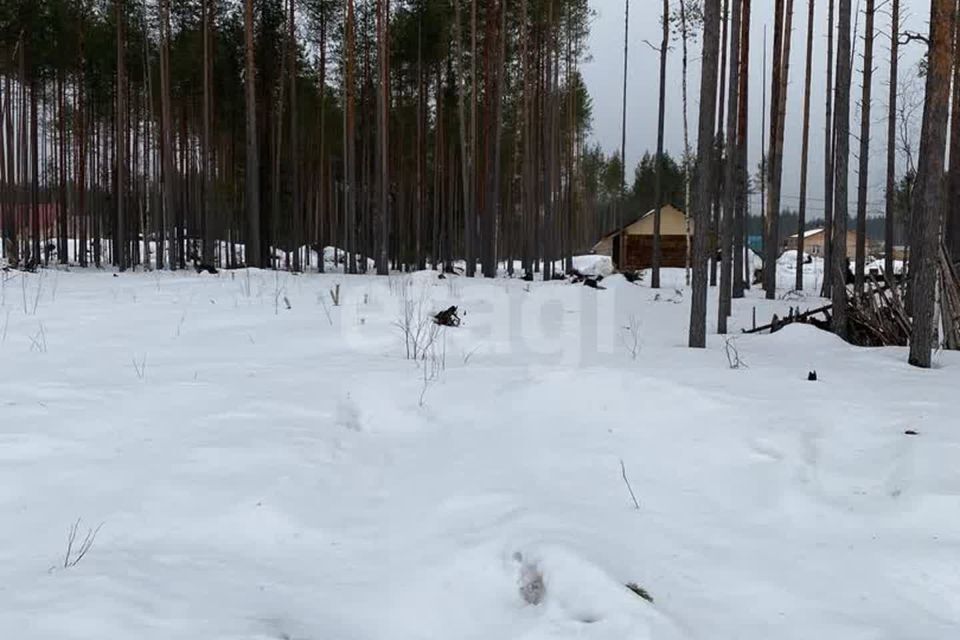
(623, 470)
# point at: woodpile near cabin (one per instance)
(879, 316)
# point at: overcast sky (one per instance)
(604, 73)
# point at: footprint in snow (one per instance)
(348, 415)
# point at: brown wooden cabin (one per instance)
(635, 241)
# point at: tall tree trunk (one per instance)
(205, 165)
(658, 180)
(952, 214)
(705, 177)
(554, 140)
(525, 134)
(740, 278)
(805, 148)
(720, 143)
(34, 84)
(274, 184)
(730, 175)
(546, 134)
(465, 163)
(323, 211)
(781, 69)
(863, 178)
(621, 197)
(687, 154)
(252, 196)
(383, 123)
(841, 168)
(493, 75)
(572, 139)
(81, 149)
(928, 194)
(149, 168)
(421, 150)
(350, 141)
(764, 164)
(769, 232)
(10, 229)
(470, 215)
(166, 133)
(62, 237)
(890, 195)
(829, 136)
(120, 242)
(295, 154)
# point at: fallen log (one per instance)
(778, 323)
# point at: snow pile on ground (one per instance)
(267, 464)
(593, 265)
(789, 258)
(879, 265)
(335, 259)
(813, 270)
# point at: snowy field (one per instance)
(264, 464)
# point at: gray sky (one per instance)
(604, 75)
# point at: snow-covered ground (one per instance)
(267, 465)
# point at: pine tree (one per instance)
(252, 200)
(658, 190)
(863, 178)
(705, 171)
(804, 149)
(890, 192)
(838, 259)
(928, 201)
(829, 139)
(730, 175)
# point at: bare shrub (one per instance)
(180, 322)
(416, 322)
(631, 335)
(36, 298)
(434, 361)
(733, 354)
(633, 496)
(279, 293)
(469, 354)
(38, 342)
(73, 556)
(326, 311)
(140, 367)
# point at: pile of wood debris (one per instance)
(878, 317)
